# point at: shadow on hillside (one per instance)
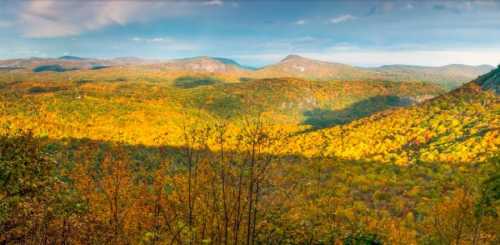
(322, 118)
(40, 90)
(53, 68)
(144, 156)
(72, 151)
(188, 82)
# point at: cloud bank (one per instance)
(54, 18)
(300, 22)
(167, 43)
(342, 18)
(369, 58)
(214, 2)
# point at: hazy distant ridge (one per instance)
(449, 76)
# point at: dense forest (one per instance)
(92, 157)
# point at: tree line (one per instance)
(205, 192)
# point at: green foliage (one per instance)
(459, 127)
(363, 239)
(27, 184)
(54, 68)
(36, 90)
(142, 160)
(322, 118)
(193, 82)
(225, 106)
(490, 193)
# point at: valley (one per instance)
(204, 151)
(233, 122)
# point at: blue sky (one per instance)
(259, 32)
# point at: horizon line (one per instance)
(239, 62)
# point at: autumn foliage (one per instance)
(122, 162)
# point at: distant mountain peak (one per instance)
(207, 59)
(292, 57)
(228, 61)
(222, 62)
(206, 64)
(69, 57)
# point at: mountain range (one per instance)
(449, 76)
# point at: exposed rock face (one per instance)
(490, 81)
(203, 64)
(298, 66)
(292, 57)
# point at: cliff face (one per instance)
(490, 81)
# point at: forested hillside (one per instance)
(240, 122)
(100, 157)
(106, 103)
(459, 127)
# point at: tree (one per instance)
(27, 189)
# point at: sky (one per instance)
(256, 32)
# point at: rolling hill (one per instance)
(490, 81)
(203, 64)
(448, 77)
(297, 66)
(290, 101)
(320, 161)
(458, 127)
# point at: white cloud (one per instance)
(461, 6)
(300, 22)
(153, 40)
(342, 18)
(360, 57)
(160, 39)
(485, 3)
(167, 43)
(305, 39)
(342, 47)
(423, 57)
(261, 58)
(289, 44)
(53, 18)
(21, 52)
(214, 3)
(5, 24)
